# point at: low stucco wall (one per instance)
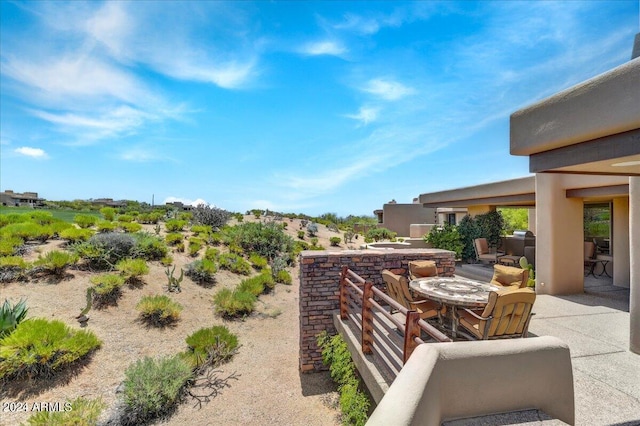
(320, 293)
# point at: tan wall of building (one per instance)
(620, 243)
(399, 217)
(634, 255)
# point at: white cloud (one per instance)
(187, 201)
(140, 155)
(387, 89)
(323, 48)
(365, 115)
(31, 152)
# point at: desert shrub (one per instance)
(257, 261)
(132, 269)
(446, 238)
(125, 218)
(9, 245)
(236, 249)
(75, 235)
(55, 262)
(195, 244)
(256, 285)
(335, 241)
(301, 234)
(200, 229)
(202, 271)
(179, 247)
(214, 238)
(234, 263)
(106, 289)
(77, 412)
(13, 262)
(354, 404)
(211, 254)
(149, 218)
(210, 346)
(314, 241)
(186, 216)
(214, 217)
(130, 227)
(39, 348)
(28, 231)
(312, 229)
(378, 234)
(348, 236)
(58, 226)
(105, 226)
(159, 310)
(283, 277)
(266, 239)
(233, 303)
(40, 217)
(175, 225)
(491, 225)
(11, 316)
(85, 220)
(109, 213)
(174, 238)
(300, 246)
(153, 387)
(278, 264)
(284, 225)
(13, 268)
(469, 231)
(166, 261)
(148, 246)
(105, 250)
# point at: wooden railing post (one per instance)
(343, 294)
(411, 331)
(367, 318)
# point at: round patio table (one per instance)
(455, 292)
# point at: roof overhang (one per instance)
(591, 128)
(516, 192)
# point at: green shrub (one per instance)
(39, 348)
(85, 220)
(211, 346)
(77, 412)
(175, 225)
(13, 268)
(41, 217)
(173, 239)
(130, 227)
(109, 213)
(166, 261)
(200, 229)
(446, 238)
(103, 251)
(234, 263)
(283, 277)
(314, 241)
(106, 289)
(301, 234)
(214, 238)
(13, 262)
(195, 244)
(9, 245)
(148, 246)
(125, 218)
(213, 217)
(258, 262)
(354, 404)
(211, 254)
(233, 303)
(153, 387)
(257, 285)
(335, 241)
(132, 269)
(379, 234)
(312, 229)
(149, 218)
(59, 226)
(202, 271)
(75, 235)
(159, 310)
(300, 246)
(55, 262)
(491, 225)
(105, 226)
(266, 239)
(469, 231)
(11, 316)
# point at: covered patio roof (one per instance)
(514, 192)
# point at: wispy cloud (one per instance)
(31, 152)
(387, 89)
(141, 154)
(186, 201)
(365, 115)
(318, 48)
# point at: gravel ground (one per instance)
(266, 387)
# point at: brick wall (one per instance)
(319, 282)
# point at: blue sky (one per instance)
(306, 107)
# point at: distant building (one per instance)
(109, 202)
(180, 205)
(29, 199)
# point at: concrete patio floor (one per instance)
(595, 325)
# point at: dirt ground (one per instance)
(265, 386)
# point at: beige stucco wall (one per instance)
(634, 254)
(399, 217)
(620, 243)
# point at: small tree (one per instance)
(214, 217)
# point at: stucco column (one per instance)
(634, 255)
(532, 220)
(620, 243)
(559, 238)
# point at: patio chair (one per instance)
(483, 253)
(590, 260)
(506, 315)
(509, 276)
(422, 269)
(398, 289)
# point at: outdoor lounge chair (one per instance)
(506, 315)
(422, 269)
(483, 253)
(398, 289)
(590, 260)
(509, 276)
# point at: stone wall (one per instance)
(319, 287)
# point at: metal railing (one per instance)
(363, 303)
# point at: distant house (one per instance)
(29, 199)
(181, 206)
(109, 202)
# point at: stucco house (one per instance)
(29, 199)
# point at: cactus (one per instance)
(157, 229)
(524, 264)
(174, 283)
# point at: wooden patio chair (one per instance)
(398, 289)
(506, 315)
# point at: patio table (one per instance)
(454, 292)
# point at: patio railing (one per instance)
(363, 303)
